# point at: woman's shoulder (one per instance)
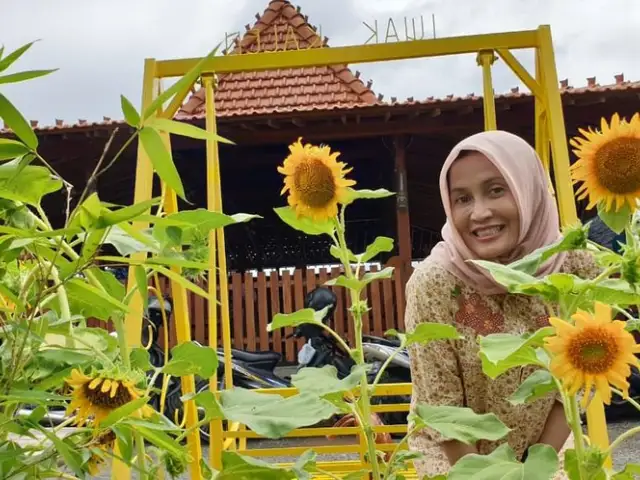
(430, 276)
(581, 263)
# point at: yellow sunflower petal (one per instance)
(94, 383)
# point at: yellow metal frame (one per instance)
(550, 143)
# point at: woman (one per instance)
(498, 208)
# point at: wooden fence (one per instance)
(255, 298)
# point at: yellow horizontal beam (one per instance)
(320, 432)
(352, 54)
(321, 449)
(380, 390)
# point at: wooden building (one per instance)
(395, 144)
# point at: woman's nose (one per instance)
(480, 211)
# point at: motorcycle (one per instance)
(322, 349)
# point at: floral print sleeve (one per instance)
(435, 367)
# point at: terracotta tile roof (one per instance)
(566, 91)
(283, 27)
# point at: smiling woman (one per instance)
(498, 206)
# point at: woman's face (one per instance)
(483, 208)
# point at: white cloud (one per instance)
(100, 46)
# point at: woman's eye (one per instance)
(497, 191)
(463, 199)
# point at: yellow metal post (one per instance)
(556, 129)
(183, 334)
(214, 201)
(216, 440)
(541, 126)
(596, 419)
(485, 59)
(143, 190)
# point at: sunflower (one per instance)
(100, 394)
(595, 352)
(315, 180)
(101, 445)
(609, 163)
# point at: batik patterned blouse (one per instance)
(450, 372)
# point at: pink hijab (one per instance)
(520, 165)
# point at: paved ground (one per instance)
(628, 453)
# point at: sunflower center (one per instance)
(593, 351)
(618, 165)
(314, 183)
(104, 399)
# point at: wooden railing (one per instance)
(256, 297)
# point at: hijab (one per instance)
(522, 169)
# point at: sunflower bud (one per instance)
(576, 236)
(174, 465)
(631, 267)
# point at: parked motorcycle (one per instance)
(322, 349)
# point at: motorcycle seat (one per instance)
(265, 358)
(389, 342)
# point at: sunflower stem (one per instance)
(364, 402)
(141, 457)
(576, 428)
(624, 436)
(118, 322)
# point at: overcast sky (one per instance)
(99, 45)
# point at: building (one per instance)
(391, 143)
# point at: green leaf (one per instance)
(541, 464)
(10, 149)
(427, 332)
(191, 359)
(161, 159)
(342, 281)
(365, 194)
(207, 400)
(240, 467)
(616, 221)
(132, 212)
(500, 346)
(31, 396)
(196, 223)
(110, 283)
(185, 130)
(632, 325)
(300, 317)
(273, 416)
(140, 359)
(90, 301)
(126, 244)
(30, 185)
(16, 122)
(175, 277)
(130, 113)
(141, 284)
(124, 438)
(460, 423)
(630, 472)
(525, 356)
(369, 277)
(574, 239)
(324, 381)
(304, 224)
(379, 245)
(26, 75)
(612, 291)
(161, 440)
(10, 58)
(71, 456)
(506, 275)
(184, 83)
(535, 386)
(124, 411)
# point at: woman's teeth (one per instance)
(487, 232)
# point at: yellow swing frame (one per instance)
(550, 143)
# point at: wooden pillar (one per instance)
(402, 207)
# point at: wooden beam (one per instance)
(273, 124)
(402, 206)
(297, 122)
